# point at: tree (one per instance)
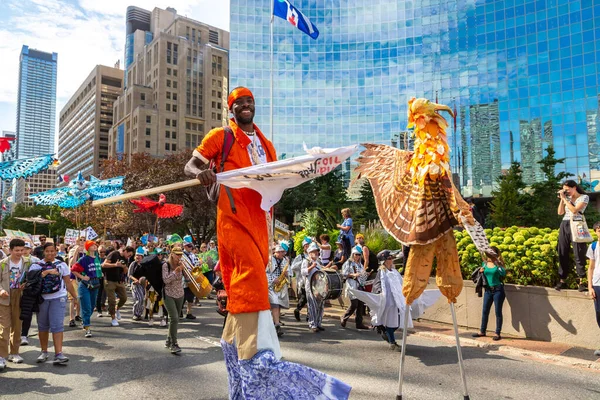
(542, 205)
(330, 192)
(52, 213)
(366, 210)
(295, 200)
(509, 200)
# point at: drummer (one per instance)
(276, 271)
(355, 276)
(315, 306)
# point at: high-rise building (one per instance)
(36, 104)
(537, 59)
(177, 81)
(85, 121)
(36, 113)
(485, 145)
(40, 182)
(136, 19)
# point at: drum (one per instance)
(326, 285)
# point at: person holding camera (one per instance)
(494, 269)
(88, 271)
(573, 200)
(115, 267)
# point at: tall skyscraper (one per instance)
(136, 20)
(538, 59)
(85, 121)
(36, 115)
(485, 145)
(177, 83)
(36, 104)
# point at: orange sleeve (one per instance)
(211, 146)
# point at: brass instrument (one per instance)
(282, 280)
(198, 283)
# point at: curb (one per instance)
(500, 349)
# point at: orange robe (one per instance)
(243, 237)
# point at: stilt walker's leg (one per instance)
(460, 357)
(404, 334)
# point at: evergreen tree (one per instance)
(509, 200)
(365, 211)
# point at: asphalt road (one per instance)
(130, 362)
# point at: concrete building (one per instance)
(39, 182)
(177, 85)
(85, 122)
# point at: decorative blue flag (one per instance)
(285, 10)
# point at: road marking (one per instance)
(210, 341)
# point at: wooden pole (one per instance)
(155, 225)
(147, 192)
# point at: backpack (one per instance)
(51, 283)
(213, 191)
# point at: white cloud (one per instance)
(83, 34)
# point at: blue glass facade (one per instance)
(36, 105)
(521, 75)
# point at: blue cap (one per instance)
(140, 251)
(306, 240)
(284, 245)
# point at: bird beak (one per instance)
(441, 107)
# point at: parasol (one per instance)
(36, 220)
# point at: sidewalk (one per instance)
(556, 353)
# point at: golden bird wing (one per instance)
(412, 213)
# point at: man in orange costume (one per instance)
(249, 340)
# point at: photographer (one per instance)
(115, 267)
(573, 200)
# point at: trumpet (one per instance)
(198, 283)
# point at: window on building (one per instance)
(174, 84)
(174, 72)
(214, 93)
(187, 32)
(213, 36)
(148, 119)
(174, 135)
(214, 104)
(147, 144)
(143, 96)
(148, 131)
(167, 146)
(174, 123)
(168, 107)
(175, 96)
(174, 107)
(219, 94)
(168, 134)
(219, 106)
(188, 125)
(175, 53)
(174, 147)
(219, 116)
(168, 122)
(169, 52)
(214, 115)
(168, 71)
(168, 83)
(169, 95)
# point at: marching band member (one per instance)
(277, 272)
(137, 288)
(297, 270)
(315, 306)
(188, 298)
(173, 294)
(355, 276)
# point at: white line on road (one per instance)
(209, 341)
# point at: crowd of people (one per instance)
(47, 279)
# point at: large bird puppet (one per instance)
(160, 208)
(419, 205)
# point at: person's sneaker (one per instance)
(597, 353)
(190, 316)
(343, 322)
(24, 341)
(320, 328)
(2, 363)
(151, 321)
(78, 318)
(118, 314)
(497, 337)
(396, 347)
(60, 358)
(168, 344)
(17, 359)
(88, 333)
(582, 288)
(136, 318)
(99, 315)
(114, 322)
(72, 324)
(163, 322)
(560, 285)
(297, 315)
(175, 349)
(278, 330)
(478, 334)
(43, 357)
(363, 327)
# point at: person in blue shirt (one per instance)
(494, 270)
(88, 271)
(346, 232)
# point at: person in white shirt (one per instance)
(593, 253)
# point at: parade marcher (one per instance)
(27, 317)
(88, 271)
(173, 294)
(573, 201)
(114, 267)
(249, 341)
(137, 286)
(13, 272)
(346, 232)
(315, 306)
(297, 271)
(277, 270)
(39, 250)
(494, 270)
(75, 254)
(101, 297)
(370, 263)
(355, 276)
(55, 285)
(188, 297)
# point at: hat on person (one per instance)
(384, 255)
(312, 247)
(176, 249)
(278, 248)
(284, 245)
(188, 244)
(28, 245)
(306, 241)
(238, 93)
(360, 236)
(356, 250)
(88, 244)
(140, 251)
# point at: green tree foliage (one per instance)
(52, 213)
(507, 207)
(365, 210)
(542, 205)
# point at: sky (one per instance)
(84, 33)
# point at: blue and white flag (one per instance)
(285, 10)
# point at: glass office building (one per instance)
(36, 105)
(521, 75)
